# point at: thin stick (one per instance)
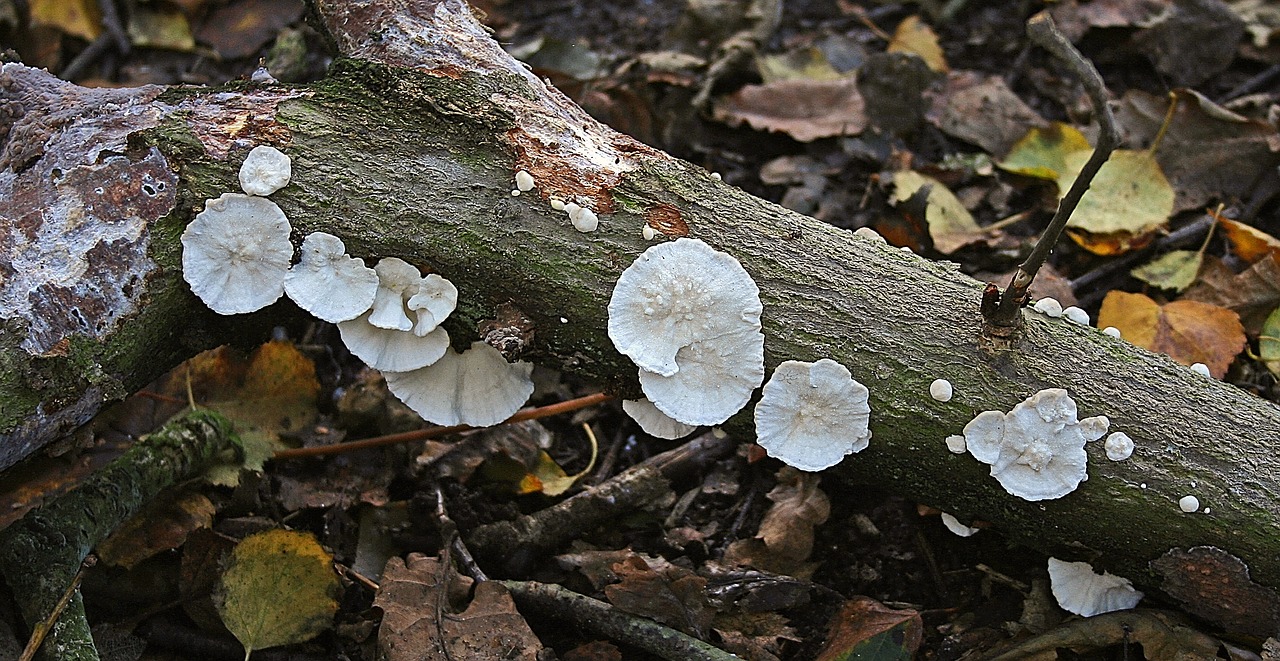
(41, 630)
(1041, 30)
(436, 432)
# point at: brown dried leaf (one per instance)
(1250, 243)
(1187, 331)
(161, 526)
(785, 538)
(418, 621)
(1207, 152)
(673, 596)
(866, 629)
(1252, 294)
(754, 636)
(983, 110)
(241, 28)
(804, 109)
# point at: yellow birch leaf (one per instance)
(1250, 243)
(916, 37)
(78, 18)
(1129, 194)
(950, 225)
(278, 588)
(1174, 270)
(1269, 342)
(1043, 151)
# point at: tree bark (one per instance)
(408, 149)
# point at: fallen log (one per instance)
(409, 147)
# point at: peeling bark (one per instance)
(408, 149)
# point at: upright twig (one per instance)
(1006, 314)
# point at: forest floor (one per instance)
(937, 124)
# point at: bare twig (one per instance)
(604, 619)
(1041, 30)
(436, 432)
(39, 631)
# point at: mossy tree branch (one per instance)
(408, 149)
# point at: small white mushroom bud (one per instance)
(557, 204)
(515, 193)
(953, 524)
(1118, 446)
(716, 176)
(648, 232)
(265, 170)
(1050, 307)
(524, 181)
(584, 220)
(868, 233)
(1112, 331)
(1077, 315)
(1201, 369)
(1189, 504)
(956, 444)
(941, 390)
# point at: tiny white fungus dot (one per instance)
(941, 390)
(868, 233)
(515, 193)
(716, 176)
(524, 181)
(584, 220)
(564, 320)
(1189, 504)
(557, 204)
(1112, 331)
(956, 444)
(906, 249)
(1201, 369)
(1206, 510)
(1119, 447)
(1142, 486)
(648, 232)
(1077, 315)
(1050, 307)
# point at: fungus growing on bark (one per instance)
(583, 219)
(1080, 590)
(236, 252)
(1112, 331)
(265, 170)
(1077, 315)
(1050, 307)
(386, 337)
(812, 414)
(953, 524)
(524, 181)
(1036, 450)
(655, 422)
(328, 283)
(941, 390)
(1188, 504)
(1118, 446)
(689, 317)
(477, 387)
(956, 444)
(1201, 369)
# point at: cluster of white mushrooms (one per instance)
(236, 256)
(686, 314)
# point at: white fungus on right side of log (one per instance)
(1112, 331)
(1118, 446)
(524, 181)
(1201, 369)
(1081, 590)
(1188, 504)
(1050, 307)
(654, 422)
(265, 170)
(477, 387)
(328, 283)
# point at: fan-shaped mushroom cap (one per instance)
(1118, 446)
(1081, 591)
(435, 301)
(236, 252)
(1036, 450)
(953, 524)
(392, 350)
(477, 387)
(655, 422)
(675, 294)
(716, 378)
(397, 282)
(328, 283)
(812, 414)
(265, 170)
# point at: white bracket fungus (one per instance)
(953, 524)
(1036, 450)
(385, 337)
(477, 387)
(329, 284)
(1050, 307)
(1118, 446)
(1188, 504)
(941, 390)
(1076, 315)
(812, 415)
(524, 181)
(1112, 331)
(1080, 590)
(436, 299)
(654, 422)
(265, 170)
(236, 252)
(1201, 369)
(689, 317)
